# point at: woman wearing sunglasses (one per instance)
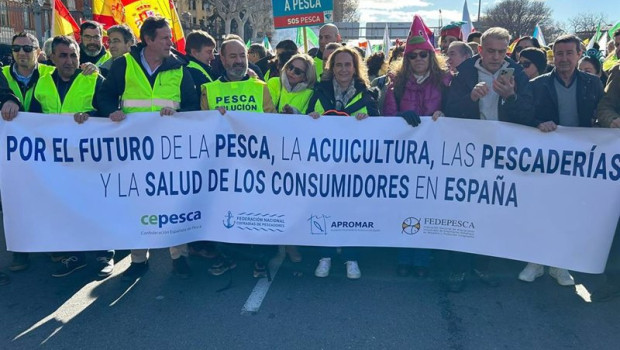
(291, 91)
(534, 62)
(416, 90)
(522, 44)
(419, 79)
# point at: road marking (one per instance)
(262, 287)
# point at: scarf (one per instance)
(343, 96)
(299, 87)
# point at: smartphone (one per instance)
(506, 72)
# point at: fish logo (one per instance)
(411, 226)
(318, 224)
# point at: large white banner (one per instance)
(475, 186)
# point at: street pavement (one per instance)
(297, 310)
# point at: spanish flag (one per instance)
(108, 12)
(136, 11)
(64, 24)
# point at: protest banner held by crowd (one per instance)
(453, 147)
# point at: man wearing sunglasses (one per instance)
(91, 44)
(22, 75)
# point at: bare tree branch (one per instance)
(519, 17)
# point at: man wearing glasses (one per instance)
(91, 44)
(23, 73)
(21, 77)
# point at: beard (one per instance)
(237, 71)
(92, 49)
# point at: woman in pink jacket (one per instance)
(419, 81)
(415, 91)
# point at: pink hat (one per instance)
(418, 38)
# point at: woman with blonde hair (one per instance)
(291, 92)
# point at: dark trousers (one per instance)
(612, 270)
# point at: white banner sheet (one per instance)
(150, 182)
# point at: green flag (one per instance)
(267, 44)
(597, 36)
(312, 38)
(613, 29)
(249, 43)
(313, 41)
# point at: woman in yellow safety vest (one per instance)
(291, 91)
(344, 87)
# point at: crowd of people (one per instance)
(480, 78)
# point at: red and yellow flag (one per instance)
(108, 12)
(64, 24)
(136, 11)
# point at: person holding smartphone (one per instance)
(490, 85)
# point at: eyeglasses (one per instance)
(27, 48)
(91, 37)
(525, 64)
(414, 55)
(296, 70)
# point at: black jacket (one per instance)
(458, 103)
(198, 77)
(589, 93)
(263, 64)
(113, 87)
(324, 92)
(6, 94)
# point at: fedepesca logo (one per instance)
(161, 220)
(411, 225)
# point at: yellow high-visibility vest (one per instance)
(281, 97)
(244, 95)
(26, 98)
(79, 98)
(195, 65)
(139, 96)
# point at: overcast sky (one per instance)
(403, 10)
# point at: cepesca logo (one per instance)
(161, 220)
